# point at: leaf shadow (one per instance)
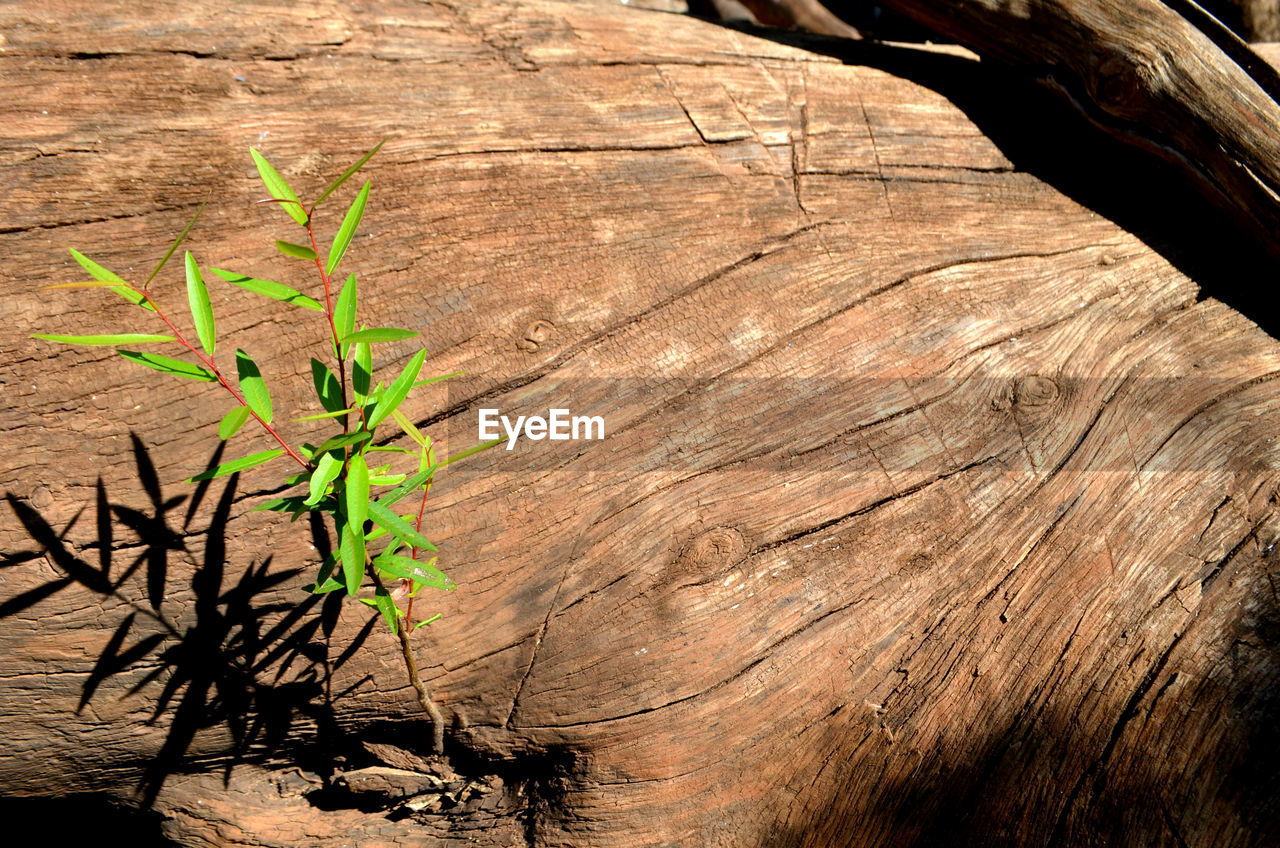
(232, 655)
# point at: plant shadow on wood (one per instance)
(236, 657)
(1043, 136)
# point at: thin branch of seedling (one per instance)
(336, 473)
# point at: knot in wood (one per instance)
(1117, 86)
(1035, 391)
(535, 335)
(713, 550)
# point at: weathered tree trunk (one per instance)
(934, 508)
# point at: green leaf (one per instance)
(181, 236)
(237, 465)
(397, 494)
(474, 449)
(410, 429)
(329, 585)
(327, 388)
(232, 422)
(326, 568)
(426, 621)
(397, 526)
(323, 415)
(327, 470)
(419, 572)
(346, 175)
(169, 365)
(362, 372)
(357, 492)
(201, 308)
(298, 251)
(351, 550)
(117, 339)
(379, 334)
(253, 386)
(125, 290)
(387, 606)
(343, 441)
(431, 380)
(83, 284)
(397, 391)
(344, 312)
(348, 229)
(95, 270)
(278, 188)
(386, 479)
(268, 288)
(294, 505)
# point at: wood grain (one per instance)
(935, 508)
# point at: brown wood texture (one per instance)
(1163, 76)
(934, 508)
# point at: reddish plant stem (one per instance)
(426, 490)
(213, 367)
(328, 311)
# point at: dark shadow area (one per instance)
(86, 819)
(237, 657)
(1043, 135)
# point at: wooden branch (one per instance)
(1166, 77)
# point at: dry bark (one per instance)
(935, 506)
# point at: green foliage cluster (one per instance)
(343, 477)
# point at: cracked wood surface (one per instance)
(934, 508)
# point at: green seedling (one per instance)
(383, 559)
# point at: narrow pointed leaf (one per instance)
(362, 372)
(419, 572)
(410, 429)
(278, 188)
(397, 526)
(474, 449)
(329, 585)
(232, 422)
(387, 606)
(95, 270)
(348, 229)
(426, 621)
(342, 441)
(344, 312)
(351, 551)
(99, 273)
(298, 251)
(323, 415)
(201, 308)
(327, 388)
(237, 465)
(431, 380)
(268, 288)
(181, 236)
(84, 284)
(397, 391)
(327, 470)
(253, 386)
(380, 334)
(357, 492)
(169, 365)
(397, 494)
(293, 505)
(115, 339)
(346, 175)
